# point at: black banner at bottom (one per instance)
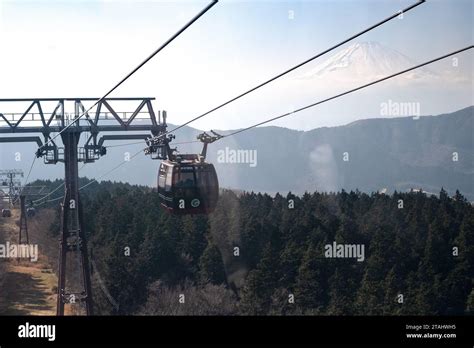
(413, 330)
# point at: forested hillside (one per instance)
(264, 255)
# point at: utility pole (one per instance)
(74, 291)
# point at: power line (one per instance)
(351, 90)
(295, 67)
(208, 7)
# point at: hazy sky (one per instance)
(82, 48)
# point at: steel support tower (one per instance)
(23, 222)
(25, 192)
(9, 180)
(73, 241)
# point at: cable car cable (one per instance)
(86, 185)
(111, 170)
(55, 189)
(141, 142)
(306, 107)
(49, 201)
(26, 180)
(239, 96)
(200, 14)
(401, 12)
(295, 67)
(49, 193)
(351, 90)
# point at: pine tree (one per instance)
(310, 292)
(393, 296)
(370, 296)
(470, 304)
(261, 283)
(211, 266)
(340, 293)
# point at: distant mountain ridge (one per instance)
(429, 152)
(398, 154)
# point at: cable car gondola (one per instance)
(187, 184)
(31, 212)
(6, 213)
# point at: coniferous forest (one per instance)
(263, 255)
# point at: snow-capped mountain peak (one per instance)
(365, 60)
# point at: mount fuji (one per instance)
(365, 60)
